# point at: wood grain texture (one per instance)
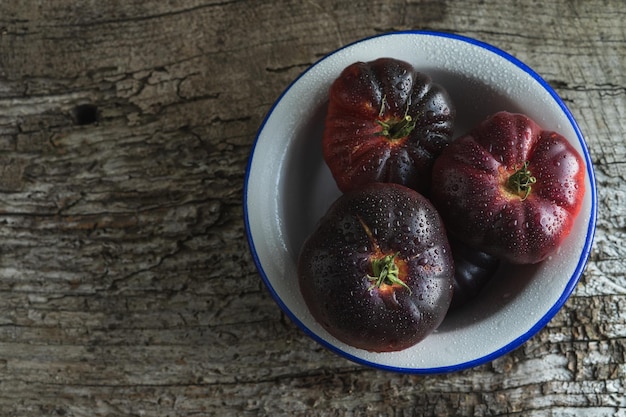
(126, 286)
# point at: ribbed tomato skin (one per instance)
(368, 95)
(470, 188)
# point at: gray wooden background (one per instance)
(126, 286)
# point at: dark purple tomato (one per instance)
(386, 122)
(377, 272)
(473, 269)
(510, 188)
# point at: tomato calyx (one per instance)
(385, 271)
(398, 128)
(520, 183)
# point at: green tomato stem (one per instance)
(396, 129)
(385, 271)
(399, 129)
(521, 182)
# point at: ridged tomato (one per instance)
(386, 122)
(510, 188)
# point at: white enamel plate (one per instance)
(288, 188)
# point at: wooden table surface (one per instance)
(126, 285)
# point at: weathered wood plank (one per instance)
(126, 287)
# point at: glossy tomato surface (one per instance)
(473, 270)
(339, 268)
(510, 188)
(386, 122)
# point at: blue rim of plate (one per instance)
(542, 322)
